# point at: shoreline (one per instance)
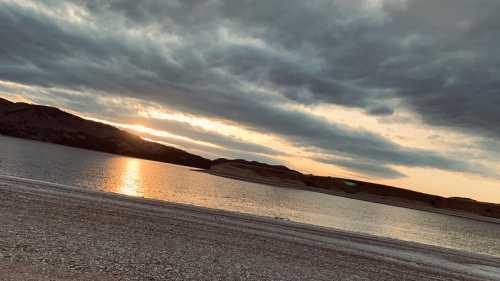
(60, 201)
(360, 196)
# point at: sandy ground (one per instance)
(61, 233)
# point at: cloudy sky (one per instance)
(399, 92)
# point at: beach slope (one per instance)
(52, 232)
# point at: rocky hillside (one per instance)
(49, 124)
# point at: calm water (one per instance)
(150, 179)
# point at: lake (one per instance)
(149, 179)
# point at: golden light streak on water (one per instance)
(131, 183)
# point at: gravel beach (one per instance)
(51, 232)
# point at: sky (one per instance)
(400, 92)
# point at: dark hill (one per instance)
(49, 124)
(283, 176)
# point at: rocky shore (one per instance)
(62, 233)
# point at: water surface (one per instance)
(136, 177)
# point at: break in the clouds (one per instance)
(253, 64)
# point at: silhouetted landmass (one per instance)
(283, 176)
(49, 124)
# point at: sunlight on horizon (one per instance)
(149, 131)
(417, 179)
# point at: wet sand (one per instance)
(53, 232)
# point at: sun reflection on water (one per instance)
(131, 178)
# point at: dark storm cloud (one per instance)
(380, 111)
(240, 60)
(440, 57)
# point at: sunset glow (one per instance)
(250, 140)
(362, 95)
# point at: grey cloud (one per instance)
(440, 57)
(487, 149)
(212, 152)
(368, 168)
(380, 111)
(197, 133)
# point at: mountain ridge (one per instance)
(50, 124)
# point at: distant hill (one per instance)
(285, 177)
(49, 124)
